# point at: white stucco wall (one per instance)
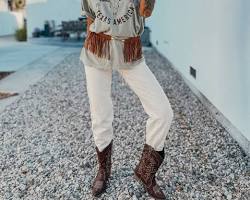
(246, 30)
(214, 37)
(40, 10)
(3, 5)
(8, 23)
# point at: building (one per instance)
(212, 37)
(36, 12)
(39, 11)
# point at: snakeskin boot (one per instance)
(104, 171)
(146, 169)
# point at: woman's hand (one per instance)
(146, 7)
(89, 21)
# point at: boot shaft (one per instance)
(149, 164)
(104, 158)
(104, 171)
(146, 169)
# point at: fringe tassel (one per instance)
(132, 50)
(98, 44)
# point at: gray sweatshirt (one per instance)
(118, 18)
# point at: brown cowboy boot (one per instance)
(146, 169)
(104, 171)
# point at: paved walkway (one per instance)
(47, 149)
(30, 61)
(14, 55)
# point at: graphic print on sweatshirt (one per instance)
(115, 12)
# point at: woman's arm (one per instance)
(146, 7)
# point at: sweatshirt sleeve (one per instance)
(86, 9)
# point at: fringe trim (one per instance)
(98, 44)
(132, 50)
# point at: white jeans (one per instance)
(143, 82)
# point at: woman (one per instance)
(113, 41)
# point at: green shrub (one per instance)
(21, 34)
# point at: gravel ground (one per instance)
(47, 149)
